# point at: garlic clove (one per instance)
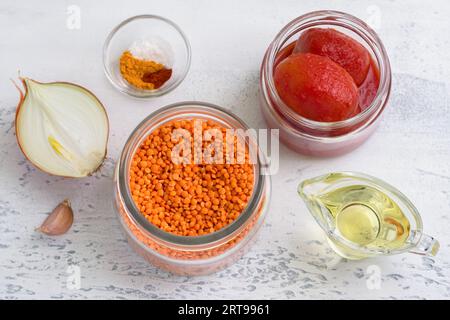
(59, 220)
(61, 128)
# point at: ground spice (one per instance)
(143, 74)
(187, 199)
(158, 78)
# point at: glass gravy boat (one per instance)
(363, 216)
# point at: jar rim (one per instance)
(340, 19)
(143, 129)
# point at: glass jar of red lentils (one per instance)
(313, 137)
(189, 255)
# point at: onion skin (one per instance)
(22, 97)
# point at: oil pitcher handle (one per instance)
(427, 246)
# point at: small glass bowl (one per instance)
(146, 27)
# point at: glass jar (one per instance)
(188, 255)
(323, 138)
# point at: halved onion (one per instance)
(62, 128)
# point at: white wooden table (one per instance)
(411, 150)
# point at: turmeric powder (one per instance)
(136, 72)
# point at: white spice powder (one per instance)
(155, 49)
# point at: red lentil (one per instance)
(187, 199)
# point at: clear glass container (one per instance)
(323, 138)
(398, 223)
(188, 255)
(144, 27)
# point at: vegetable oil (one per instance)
(366, 216)
(363, 216)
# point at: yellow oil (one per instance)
(366, 216)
